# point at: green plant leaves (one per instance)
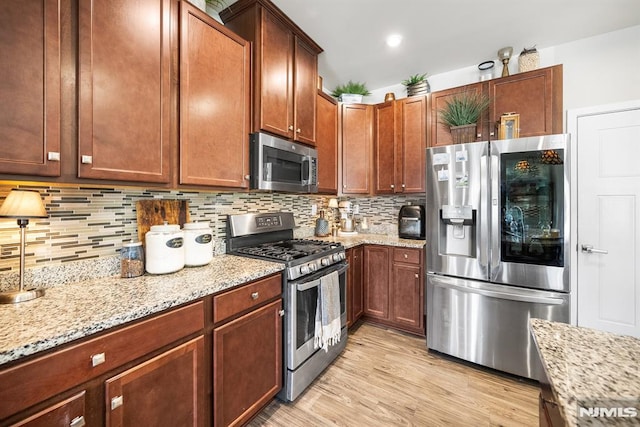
(464, 109)
(416, 78)
(356, 88)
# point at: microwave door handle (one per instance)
(306, 170)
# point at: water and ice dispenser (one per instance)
(458, 231)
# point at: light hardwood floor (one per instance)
(387, 378)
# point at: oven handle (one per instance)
(314, 280)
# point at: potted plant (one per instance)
(351, 92)
(417, 85)
(461, 114)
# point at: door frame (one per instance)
(573, 115)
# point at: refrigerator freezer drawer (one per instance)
(488, 324)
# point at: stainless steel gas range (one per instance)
(269, 236)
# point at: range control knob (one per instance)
(336, 257)
(304, 269)
(325, 261)
(312, 267)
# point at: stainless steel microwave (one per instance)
(280, 165)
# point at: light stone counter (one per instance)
(590, 369)
(373, 239)
(76, 310)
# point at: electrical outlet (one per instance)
(314, 209)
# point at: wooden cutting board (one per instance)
(157, 211)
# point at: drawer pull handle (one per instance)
(77, 422)
(53, 156)
(116, 402)
(86, 160)
(254, 295)
(98, 359)
(406, 256)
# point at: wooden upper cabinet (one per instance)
(30, 87)
(401, 140)
(535, 95)
(124, 90)
(385, 148)
(214, 102)
(411, 161)
(305, 86)
(440, 134)
(327, 143)
(285, 69)
(356, 133)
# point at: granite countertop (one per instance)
(589, 368)
(374, 239)
(76, 310)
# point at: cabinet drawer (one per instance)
(408, 255)
(245, 297)
(31, 382)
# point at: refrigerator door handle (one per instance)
(512, 296)
(484, 248)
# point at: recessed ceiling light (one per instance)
(394, 40)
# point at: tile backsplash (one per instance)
(89, 222)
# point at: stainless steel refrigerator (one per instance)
(498, 247)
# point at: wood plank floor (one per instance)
(387, 378)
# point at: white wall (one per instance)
(597, 70)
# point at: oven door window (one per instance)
(307, 304)
(283, 166)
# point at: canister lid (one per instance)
(195, 226)
(165, 228)
(132, 244)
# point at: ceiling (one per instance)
(442, 35)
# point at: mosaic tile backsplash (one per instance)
(88, 222)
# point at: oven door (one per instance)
(300, 313)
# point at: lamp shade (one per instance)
(333, 203)
(23, 204)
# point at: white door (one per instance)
(608, 273)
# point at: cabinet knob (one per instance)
(491, 133)
(53, 156)
(98, 359)
(116, 402)
(393, 186)
(403, 185)
(254, 295)
(298, 130)
(344, 185)
(86, 160)
(247, 177)
(406, 256)
(417, 276)
(281, 313)
(290, 127)
(77, 422)
(479, 135)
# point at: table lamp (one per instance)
(22, 205)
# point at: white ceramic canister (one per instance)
(164, 249)
(198, 244)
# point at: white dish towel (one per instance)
(328, 328)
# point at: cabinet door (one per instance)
(535, 95)
(166, 390)
(411, 160)
(214, 102)
(385, 148)
(306, 81)
(276, 77)
(124, 90)
(408, 301)
(68, 413)
(327, 144)
(357, 291)
(356, 134)
(440, 133)
(30, 87)
(247, 364)
(376, 279)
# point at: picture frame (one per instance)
(509, 126)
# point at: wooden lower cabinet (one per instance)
(67, 413)
(394, 287)
(355, 294)
(166, 390)
(247, 364)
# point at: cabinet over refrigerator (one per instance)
(498, 231)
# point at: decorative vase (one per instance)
(463, 134)
(421, 88)
(322, 228)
